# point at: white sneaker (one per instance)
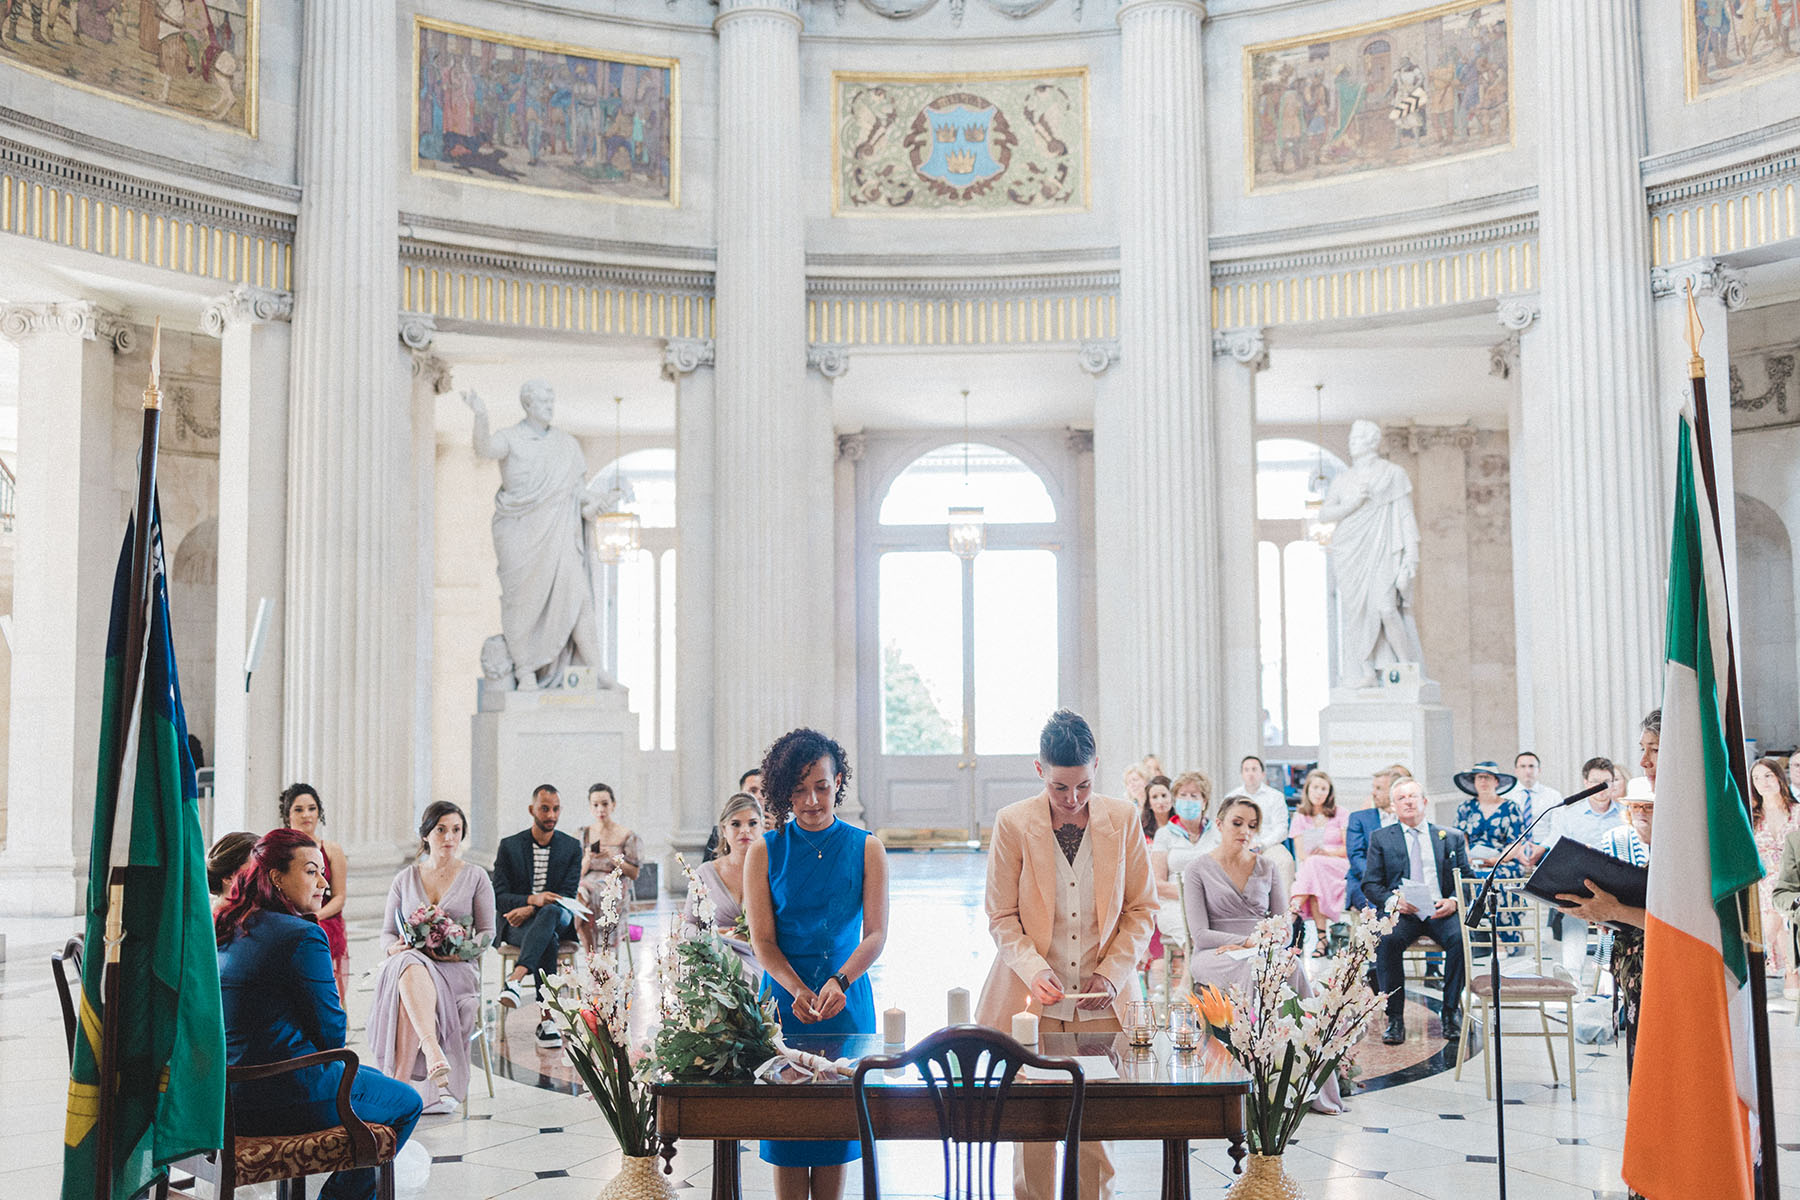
(442, 1106)
(510, 996)
(547, 1036)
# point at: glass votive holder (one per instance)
(1140, 1022)
(1184, 1027)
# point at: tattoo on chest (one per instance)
(1069, 838)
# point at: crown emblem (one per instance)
(960, 162)
(946, 133)
(975, 133)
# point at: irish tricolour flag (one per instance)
(1688, 1134)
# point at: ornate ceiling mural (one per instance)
(960, 144)
(903, 10)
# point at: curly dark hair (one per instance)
(293, 792)
(785, 765)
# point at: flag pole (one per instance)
(135, 635)
(1749, 909)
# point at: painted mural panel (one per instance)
(545, 117)
(1429, 86)
(192, 58)
(1732, 43)
(945, 145)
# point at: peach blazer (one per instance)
(1021, 884)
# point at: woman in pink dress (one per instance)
(1773, 813)
(303, 811)
(1322, 856)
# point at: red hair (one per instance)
(252, 890)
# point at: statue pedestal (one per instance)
(568, 737)
(1400, 720)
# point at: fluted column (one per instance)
(1607, 534)
(69, 525)
(348, 636)
(251, 325)
(772, 669)
(1239, 355)
(1157, 425)
(699, 787)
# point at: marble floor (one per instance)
(1431, 1137)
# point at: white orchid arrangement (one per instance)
(1291, 1046)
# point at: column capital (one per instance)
(245, 305)
(1098, 355)
(1709, 277)
(786, 9)
(82, 319)
(429, 368)
(1503, 357)
(1078, 440)
(684, 356)
(828, 359)
(1250, 347)
(852, 447)
(1519, 312)
(417, 330)
(1128, 8)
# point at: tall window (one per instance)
(637, 596)
(1297, 619)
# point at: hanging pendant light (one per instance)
(1318, 530)
(620, 533)
(967, 523)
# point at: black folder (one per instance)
(1569, 862)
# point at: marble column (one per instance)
(350, 562)
(431, 377)
(772, 623)
(1239, 355)
(251, 325)
(700, 788)
(1605, 536)
(1157, 425)
(70, 523)
(833, 523)
(1080, 444)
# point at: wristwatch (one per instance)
(843, 982)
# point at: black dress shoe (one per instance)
(1396, 1031)
(1453, 1030)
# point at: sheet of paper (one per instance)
(1094, 1068)
(1240, 954)
(1419, 895)
(575, 906)
(1481, 850)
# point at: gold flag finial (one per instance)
(1696, 365)
(153, 390)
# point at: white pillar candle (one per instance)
(1025, 1028)
(959, 1006)
(893, 1027)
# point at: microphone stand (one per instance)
(1483, 907)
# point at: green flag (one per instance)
(171, 1033)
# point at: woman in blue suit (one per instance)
(816, 892)
(281, 1001)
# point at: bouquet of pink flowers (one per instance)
(430, 929)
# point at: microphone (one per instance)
(1583, 794)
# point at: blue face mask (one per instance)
(1188, 809)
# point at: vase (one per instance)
(1264, 1179)
(639, 1179)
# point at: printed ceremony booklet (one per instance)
(1570, 863)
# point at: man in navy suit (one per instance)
(533, 869)
(1413, 849)
(1363, 824)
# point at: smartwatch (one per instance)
(843, 982)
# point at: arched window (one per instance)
(637, 595)
(1297, 619)
(1009, 491)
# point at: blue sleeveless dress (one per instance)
(816, 882)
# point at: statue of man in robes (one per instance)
(541, 540)
(1375, 556)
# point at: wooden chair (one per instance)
(969, 1070)
(287, 1159)
(509, 956)
(1545, 984)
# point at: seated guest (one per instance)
(280, 1001)
(1171, 849)
(535, 869)
(1320, 845)
(426, 1005)
(1275, 815)
(1491, 821)
(1156, 813)
(1412, 850)
(1363, 822)
(606, 844)
(226, 858)
(1629, 843)
(1587, 823)
(1193, 808)
(1534, 799)
(740, 825)
(302, 810)
(750, 784)
(1786, 894)
(1230, 891)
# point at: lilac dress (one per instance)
(726, 913)
(470, 899)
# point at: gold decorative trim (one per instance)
(672, 65)
(1755, 217)
(942, 321)
(839, 78)
(499, 298)
(251, 60)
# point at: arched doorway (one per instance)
(961, 659)
(1766, 586)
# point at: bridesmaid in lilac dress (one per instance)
(739, 826)
(425, 1008)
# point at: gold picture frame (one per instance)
(1690, 53)
(672, 123)
(944, 85)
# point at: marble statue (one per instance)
(1375, 556)
(547, 609)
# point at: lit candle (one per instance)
(1025, 1028)
(959, 1006)
(893, 1027)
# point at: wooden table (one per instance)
(1160, 1096)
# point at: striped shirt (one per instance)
(540, 867)
(1626, 844)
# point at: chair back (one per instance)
(61, 964)
(969, 1071)
(1515, 911)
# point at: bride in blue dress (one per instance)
(815, 888)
